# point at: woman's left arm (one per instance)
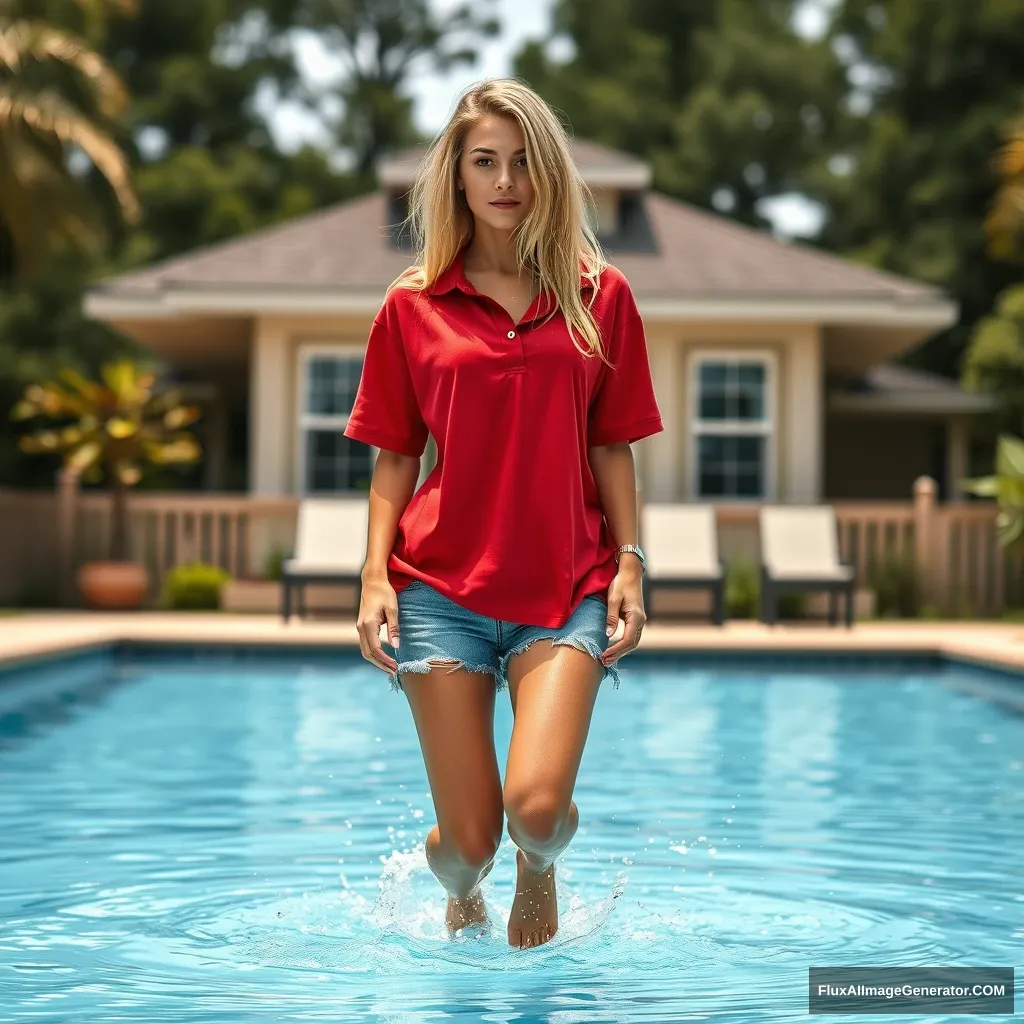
(615, 476)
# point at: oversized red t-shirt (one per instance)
(508, 523)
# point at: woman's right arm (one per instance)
(392, 486)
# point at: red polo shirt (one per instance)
(508, 524)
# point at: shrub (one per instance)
(894, 581)
(193, 587)
(273, 565)
(742, 589)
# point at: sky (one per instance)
(435, 94)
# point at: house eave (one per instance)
(626, 178)
(169, 302)
(911, 403)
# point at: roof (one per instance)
(890, 387)
(599, 165)
(346, 248)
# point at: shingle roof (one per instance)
(346, 248)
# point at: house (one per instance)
(772, 361)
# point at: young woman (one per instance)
(521, 351)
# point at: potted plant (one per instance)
(109, 430)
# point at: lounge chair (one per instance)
(330, 547)
(680, 543)
(800, 551)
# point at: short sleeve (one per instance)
(385, 413)
(624, 406)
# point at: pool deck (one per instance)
(34, 634)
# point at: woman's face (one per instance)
(493, 173)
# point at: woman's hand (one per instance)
(378, 603)
(625, 601)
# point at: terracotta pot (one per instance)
(116, 586)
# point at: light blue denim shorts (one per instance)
(434, 627)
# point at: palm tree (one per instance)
(110, 429)
(57, 96)
(1005, 221)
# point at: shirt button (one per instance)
(511, 334)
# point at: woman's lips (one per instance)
(505, 202)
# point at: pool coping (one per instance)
(34, 637)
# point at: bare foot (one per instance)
(534, 916)
(465, 912)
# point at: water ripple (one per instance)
(226, 841)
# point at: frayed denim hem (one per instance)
(587, 646)
(424, 666)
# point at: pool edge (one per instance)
(1002, 655)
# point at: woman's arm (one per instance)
(615, 476)
(393, 484)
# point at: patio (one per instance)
(36, 634)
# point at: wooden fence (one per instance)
(46, 536)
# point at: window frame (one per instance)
(767, 427)
(306, 421)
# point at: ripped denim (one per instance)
(433, 628)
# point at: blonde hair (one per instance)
(554, 241)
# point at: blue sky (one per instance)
(435, 94)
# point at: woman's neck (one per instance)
(490, 251)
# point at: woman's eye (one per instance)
(483, 160)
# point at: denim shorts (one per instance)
(433, 627)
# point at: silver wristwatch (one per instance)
(634, 549)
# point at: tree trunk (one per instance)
(119, 519)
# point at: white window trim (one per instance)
(767, 428)
(309, 421)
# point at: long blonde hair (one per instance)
(554, 241)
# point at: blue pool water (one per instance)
(226, 837)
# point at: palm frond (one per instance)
(100, 8)
(22, 40)
(49, 114)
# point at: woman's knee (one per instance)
(474, 845)
(535, 813)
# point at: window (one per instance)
(328, 461)
(731, 425)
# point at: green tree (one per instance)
(932, 84)
(994, 360)
(58, 97)
(380, 43)
(724, 97)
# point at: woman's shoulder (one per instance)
(612, 287)
(403, 291)
(612, 279)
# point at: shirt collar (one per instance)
(455, 277)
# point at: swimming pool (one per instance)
(236, 835)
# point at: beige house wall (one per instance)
(664, 462)
(796, 443)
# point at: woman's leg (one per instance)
(553, 691)
(454, 715)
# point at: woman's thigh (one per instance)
(454, 717)
(446, 664)
(553, 690)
